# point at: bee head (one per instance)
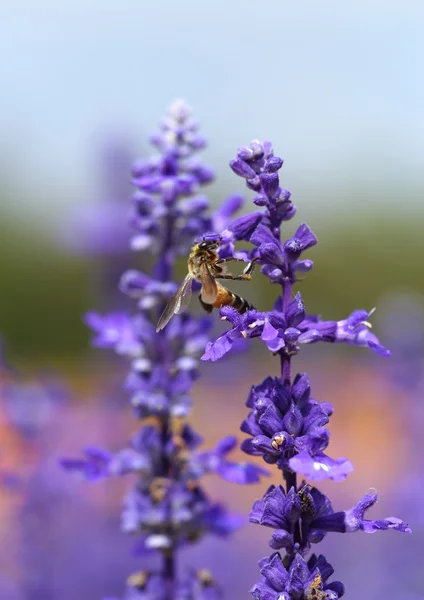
(210, 244)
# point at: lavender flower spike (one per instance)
(167, 508)
(286, 425)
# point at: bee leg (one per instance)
(207, 307)
(245, 276)
(220, 261)
(242, 277)
(250, 267)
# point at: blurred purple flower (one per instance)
(100, 228)
(167, 508)
(195, 585)
(116, 330)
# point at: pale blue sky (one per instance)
(338, 86)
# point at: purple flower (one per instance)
(168, 514)
(30, 406)
(114, 330)
(198, 585)
(194, 585)
(93, 467)
(288, 429)
(148, 291)
(258, 165)
(282, 511)
(166, 506)
(145, 585)
(235, 472)
(355, 331)
(303, 239)
(147, 450)
(302, 580)
(100, 227)
(318, 466)
(285, 331)
(286, 426)
(353, 519)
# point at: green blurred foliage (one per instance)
(358, 261)
(43, 295)
(45, 291)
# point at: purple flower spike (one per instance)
(286, 426)
(166, 506)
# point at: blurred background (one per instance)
(338, 89)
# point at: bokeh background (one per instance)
(338, 88)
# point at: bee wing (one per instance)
(209, 287)
(178, 303)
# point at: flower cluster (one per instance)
(167, 508)
(287, 427)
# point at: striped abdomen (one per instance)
(240, 304)
(227, 298)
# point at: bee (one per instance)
(205, 266)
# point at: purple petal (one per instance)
(273, 164)
(320, 466)
(243, 227)
(275, 573)
(295, 312)
(249, 448)
(354, 518)
(301, 389)
(298, 574)
(280, 538)
(217, 349)
(226, 445)
(293, 421)
(271, 337)
(270, 183)
(240, 473)
(269, 332)
(378, 348)
(262, 443)
(262, 235)
(272, 253)
(241, 168)
(223, 214)
(303, 266)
